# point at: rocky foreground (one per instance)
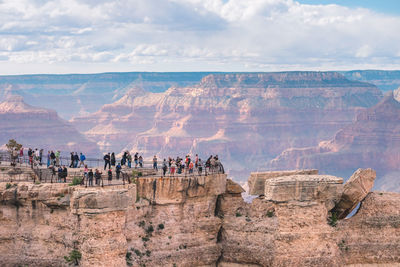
(202, 221)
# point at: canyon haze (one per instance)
(253, 121)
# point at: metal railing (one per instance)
(29, 169)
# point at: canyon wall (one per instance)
(196, 221)
(40, 128)
(372, 140)
(244, 118)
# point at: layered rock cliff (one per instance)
(244, 118)
(372, 140)
(195, 221)
(39, 128)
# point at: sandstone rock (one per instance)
(95, 200)
(174, 190)
(371, 236)
(257, 180)
(322, 188)
(354, 191)
(233, 188)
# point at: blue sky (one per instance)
(88, 36)
(384, 6)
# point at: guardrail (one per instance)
(25, 169)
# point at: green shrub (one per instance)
(137, 252)
(74, 257)
(332, 220)
(145, 239)
(270, 213)
(142, 224)
(238, 214)
(128, 258)
(148, 253)
(160, 226)
(8, 185)
(76, 181)
(150, 229)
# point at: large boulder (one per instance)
(233, 187)
(257, 180)
(326, 189)
(354, 191)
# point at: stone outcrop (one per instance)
(43, 223)
(371, 237)
(195, 221)
(354, 191)
(257, 180)
(303, 188)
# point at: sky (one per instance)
(89, 36)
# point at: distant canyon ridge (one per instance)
(336, 122)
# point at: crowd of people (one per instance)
(169, 166)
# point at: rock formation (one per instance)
(354, 191)
(257, 180)
(80, 94)
(371, 141)
(39, 128)
(195, 221)
(244, 118)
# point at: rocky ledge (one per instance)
(202, 221)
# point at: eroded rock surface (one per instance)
(257, 180)
(322, 188)
(195, 221)
(354, 191)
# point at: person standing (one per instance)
(97, 175)
(72, 158)
(109, 176)
(191, 165)
(53, 158)
(90, 177)
(164, 167)
(118, 170)
(136, 159)
(173, 166)
(40, 156)
(200, 166)
(48, 159)
(113, 159)
(85, 173)
(82, 159)
(76, 160)
(155, 163)
(140, 161)
(107, 160)
(21, 155)
(58, 158)
(129, 159)
(65, 174)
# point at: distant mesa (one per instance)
(39, 128)
(371, 140)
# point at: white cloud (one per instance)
(193, 35)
